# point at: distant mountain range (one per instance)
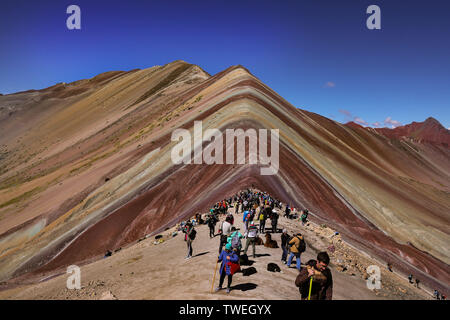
(429, 130)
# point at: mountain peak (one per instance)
(432, 121)
(430, 130)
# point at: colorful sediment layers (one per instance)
(86, 167)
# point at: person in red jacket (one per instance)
(322, 281)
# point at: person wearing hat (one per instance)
(251, 234)
(236, 244)
(230, 264)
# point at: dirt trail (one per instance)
(149, 271)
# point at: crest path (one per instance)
(148, 271)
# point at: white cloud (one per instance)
(360, 121)
(330, 84)
(392, 123)
(376, 124)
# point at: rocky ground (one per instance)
(157, 269)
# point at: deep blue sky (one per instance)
(319, 55)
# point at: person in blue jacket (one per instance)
(245, 220)
(227, 255)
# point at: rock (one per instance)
(107, 295)
(273, 267)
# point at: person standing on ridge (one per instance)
(190, 236)
(251, 235)
(319, 276)
(262, 221)
(274, 220)
(287, 211)
(225, 231)
(211, 221)
(284, 245)
(297, 246)
(304, 217)
(235, 240)
(245, 220)
(230, 264)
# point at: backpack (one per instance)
(192, 234)
(246, 214)
(235, 241)
(302, 246)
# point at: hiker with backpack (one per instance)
(245, 219)
(315, 282)
(235, 240)
(262, 221)
(230, 264)
(284, 245)
(297, 247)
(251, 236)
